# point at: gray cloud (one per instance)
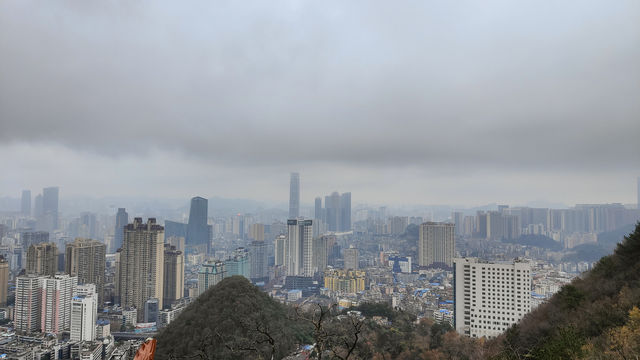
(494, 84)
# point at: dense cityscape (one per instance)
(95, 285)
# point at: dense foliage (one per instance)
(232, 320)
(595, 316)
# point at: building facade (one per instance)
(490, 297)
(86, 258)
(42, 259)
(436, 244)
(173, 275)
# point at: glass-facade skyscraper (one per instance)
(197, 229)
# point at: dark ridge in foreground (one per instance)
(594, 317)
(232, 320)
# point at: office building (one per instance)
(238, 263)
(337, 212)
(49, 219)
(258, 259)
(83, 318)
(25, 203)
(345, 212)
(4, 281)
(351, 258)
(37, 209)
(29, 238)
(294, 196)
(197, 228)
(320, 253)
(28, 303)
(141, 266)
(57, 292)
(279, 244)
(299, 248)
(42, 259)
(209, 275)
(151, 309)
(173, 275)
(122, 219)
(490, 297)
(436, 244)
(318, 211)
(85, 259)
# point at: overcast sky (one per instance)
(399, 102)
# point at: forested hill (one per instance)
(595, 317)
(232, 320)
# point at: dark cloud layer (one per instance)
(501, 84)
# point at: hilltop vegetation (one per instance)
(594, 317)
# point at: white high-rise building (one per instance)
(490, 297)
(436, 244)
(57, 292)
(279, 249)
(299, 248)
(28, 303)
(83, 318)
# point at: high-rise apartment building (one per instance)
(122, 219)
(320, 253)
(351, 258)
(28, 303)
(490, 297)
(83, 318)
(197, 228)
(49, 219)
(256, 232)
(57, 292)
(337, 212)
(4, 281)
(318, 211)
(280, 251)
(37, 209)
(173, 275)
(209, 275)
(294, 196)
(436, 244)
(85, 258)
(258, 259)
(141, 266)
(238, 263)
(25, 203)
(299, 248)
(42, 259)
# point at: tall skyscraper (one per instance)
(280, 251)
(57, 292)
(4, 281)
(337, 212)
(436, 244)
(28, 303)
(317, 214)
(83, 318)
(122, 219)
(197, 229)
(258, 260)
(85, 258)
(140, 274)
(320, 253)
(238, 263)
(351, 260)
(25, 204)
(483, 309)
(299, 248)
(345, 212)
(173, 275)
(294, 196)
(42, 259)
(37, 209)
(50, 208)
